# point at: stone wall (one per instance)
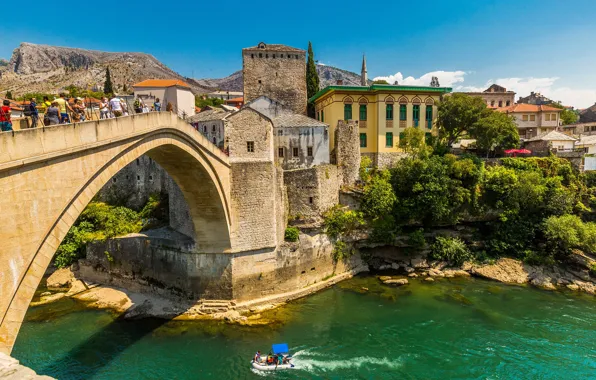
(280, 78)
(388, 159)
(293, 266)
(312, 191)
(302, 138)
(347, 151)
(160, 262)
(248, 125)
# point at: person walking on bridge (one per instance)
(64, 108)
(116, 106)
(5, 122)
(34, 113)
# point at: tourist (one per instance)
(145, 108)
(46, 105)
(83, 106)
(104, 111)
(34, 113)
(257, 358)
(78, 113)
(116, 106)
(138, 105)
(64, 108)
(5, 121)
(157, 105)
(52, 114)
(124, 107)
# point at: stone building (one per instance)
(533, 120)
(382, 113)
(172, 91)
(588, 115)
(299, 141)
(495, 96)
(276, 71)
(535, 98)
(212, 124)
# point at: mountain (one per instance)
(328, 76)
(49, 69)
(43, 68)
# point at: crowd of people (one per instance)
(61, 111)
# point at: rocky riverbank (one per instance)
(11, 369)
(576, 275)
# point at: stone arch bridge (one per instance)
(48, 175)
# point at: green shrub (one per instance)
(339, 221)
(563, 233)
(342, 250)
(292, 234)
(416, 239)
(384, 230)
(593, 269)
(378, 198)
(453, 250)
(365, 169)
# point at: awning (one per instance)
(281, 348)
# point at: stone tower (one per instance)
(276, 71)
(364, 73)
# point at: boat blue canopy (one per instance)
(281, 348)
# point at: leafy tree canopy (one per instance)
(458, 114)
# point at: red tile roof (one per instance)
(236, 100)
(161, 83)
(522, 107)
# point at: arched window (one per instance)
(389, 112)
(363, 112)
(348, 111)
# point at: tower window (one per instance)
(280, 152)
(138, 162)
(138, 178)
(250, 146)
(280, 132)
(310, 200)
(252, 56)
(295, 152)
(260, 55)
(309, 151)
(150, 178)
(273, 56)
(281, 56)
(114, 179)
(266, 55)
(259, 81)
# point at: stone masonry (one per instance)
(311, 192)
(276, 71)
(347, 151)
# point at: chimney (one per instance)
(340, 82)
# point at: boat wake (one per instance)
(311, 361)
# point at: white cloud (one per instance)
(579, 98)
(446, 78)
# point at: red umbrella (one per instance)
(518, 151)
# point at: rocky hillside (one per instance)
(43, 68)
(328, 75)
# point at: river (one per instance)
(452, 328)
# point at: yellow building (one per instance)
(382, 113)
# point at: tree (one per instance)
(312, 80)
(107, 86)
(380, 81)
(495, 130)
(458, 113)
(412, 140)
(202, 101)
(74, 91)
(567, 116)
(8, 95)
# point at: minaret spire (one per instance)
(364, 73)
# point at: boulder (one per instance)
(395, 266)
(409, 269)
(413, 275)
(456, 273)
(384, 278)
(573, 287)
(397, 281)
(543, 282)
(77, 287)
(61, 279)
(435, 273)
(580, 259)
(419, 263)
(429, 279)
(504, 270)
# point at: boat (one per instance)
(276, 349)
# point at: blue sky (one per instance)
(544, 45)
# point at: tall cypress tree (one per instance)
(107, 86)
(312, 80)
(8, 95)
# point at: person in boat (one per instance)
(269, 359)
(257, 358)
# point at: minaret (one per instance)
(364, 74)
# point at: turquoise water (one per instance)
(457, 329)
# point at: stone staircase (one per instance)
(215, 306)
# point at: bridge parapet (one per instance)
(29, 145)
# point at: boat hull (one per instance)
(265, 367)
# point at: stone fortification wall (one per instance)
(280, 75)
(347, 150)
(248, 126)
(311, 192)
(293, 266)
(388, 159)
(159, 262)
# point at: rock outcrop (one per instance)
(11, 369)
(504, 270)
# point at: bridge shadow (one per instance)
(88, 358)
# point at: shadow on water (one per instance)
(86, 359)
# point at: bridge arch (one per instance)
(49, 176)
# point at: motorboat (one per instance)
(277, 350)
